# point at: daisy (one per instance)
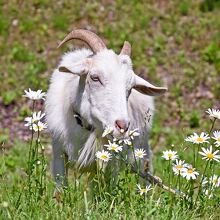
(198, 139)
(133, 133)
(209, 155)
(189, 173)
(208, 193)
(140, 153)
(5, 204)
(190, 139)
(215, 180)
(215, 113)
(143, 190)
(204, 181)
(103, 155)
(34, 95)
(178, 166)
(39, 126)
(170, 155)
(125, 141)
(216, 137)
(158, 203)
(108, 130)
(113, 147)
(36, 117)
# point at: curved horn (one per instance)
(90, 38)
(126, 49)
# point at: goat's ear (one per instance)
(146, 88)
(78, 68)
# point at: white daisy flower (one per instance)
(133, 133)
(140, 153)
(198, 139)
(188, 197)
(5, 204)
(170, 155)
(144, 190)
(39, 126)
(190, 139)
(209, 155)
(113, 147)
(103, 155)
(125, 141)
(35, 95)
(108, 130)
(36, 117)
(189, 173)
(215, 180)
(216, 137)
(215, 113)
(208, 193)
(158, 203)
(204, 181)
(178, 166)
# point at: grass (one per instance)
(80, 201)
(174, 44)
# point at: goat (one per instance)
(90, 90)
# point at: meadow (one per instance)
(175, 44)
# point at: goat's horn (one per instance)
(126, 49)
(90, 38)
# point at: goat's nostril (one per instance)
(121, 125)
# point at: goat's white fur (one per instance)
(63, 99)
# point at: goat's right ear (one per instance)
(78, 68)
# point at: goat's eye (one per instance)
(95, 78)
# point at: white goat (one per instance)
(92, 89)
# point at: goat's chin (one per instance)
(119, 135)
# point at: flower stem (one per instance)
(136, 164)
(213, 123)
(169, 174)
(200, 184)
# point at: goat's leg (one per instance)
(59, 168)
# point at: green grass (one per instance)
(175, 44)
(83, 200)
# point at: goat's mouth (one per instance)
(120, 134)
(113, 133)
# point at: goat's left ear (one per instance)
(79, 68)
(146, 88)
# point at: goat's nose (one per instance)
(122, 125)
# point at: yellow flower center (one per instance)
(170, 155)
(199, 139)
(34, 120)
(143, 190)
(190, 171)
(218, 139)
(179, 167)
(38, 127)
(214, 181)
(139, 154)
(210, 155)
(104, 156)
(113, 147)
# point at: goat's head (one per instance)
(107, 79)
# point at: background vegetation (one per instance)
(175, 43)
